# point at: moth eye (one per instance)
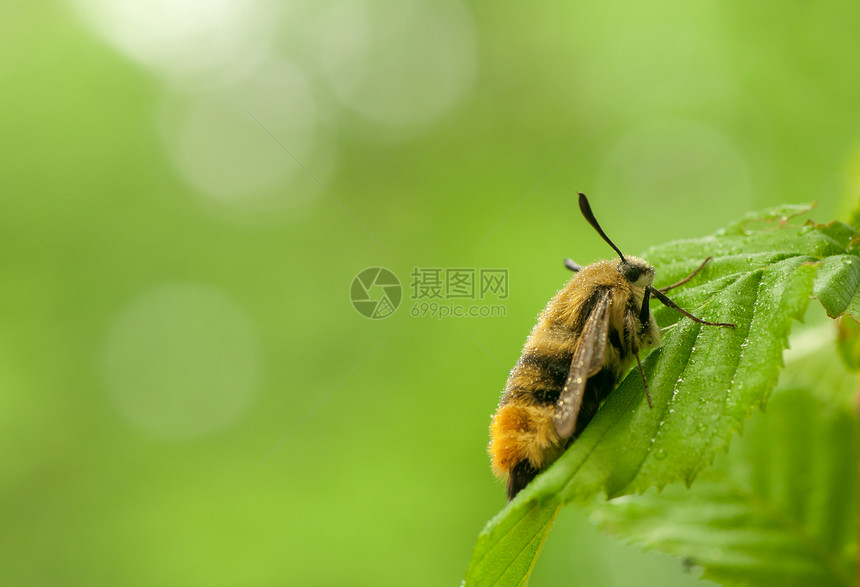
(630, 272)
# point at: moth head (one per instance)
(637, 271)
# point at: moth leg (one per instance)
(669, 303)
(644, 379)
(645, 312)
(570, 264)
(688, 278)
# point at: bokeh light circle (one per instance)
(401, 64)
(684, 166)
(232, 144)
(182, 360)
(181, 40)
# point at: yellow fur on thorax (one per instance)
(563, 311)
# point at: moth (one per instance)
(584, 341)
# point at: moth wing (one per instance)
(587, 361)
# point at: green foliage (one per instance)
(781, 511)
(358, 458)
(704, 380)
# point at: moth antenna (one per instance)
(589, 216)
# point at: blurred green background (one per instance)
(187, 395)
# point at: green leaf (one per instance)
(781, 511)
(704, 380)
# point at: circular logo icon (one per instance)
(375, 293)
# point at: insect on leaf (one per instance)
(704, 381)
